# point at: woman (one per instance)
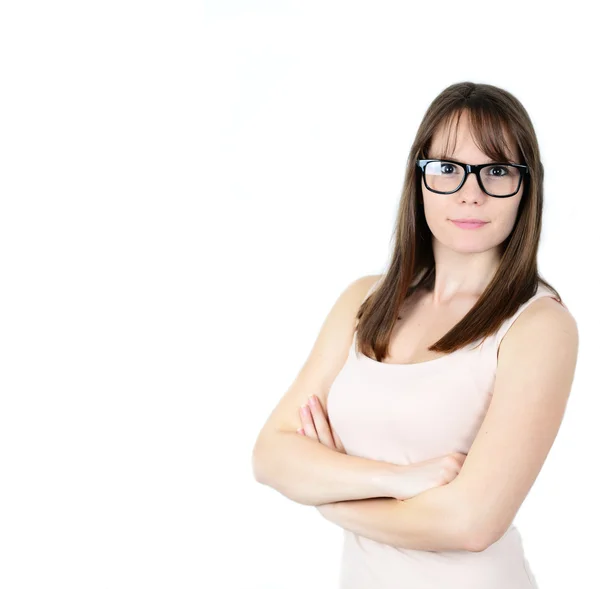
(430, 418)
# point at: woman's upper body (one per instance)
(409, 409)
(501, 403)
(471, 272)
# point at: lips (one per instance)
(469, 224)
(476, 221)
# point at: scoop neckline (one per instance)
(412, 365)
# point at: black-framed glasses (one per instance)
(499, 180)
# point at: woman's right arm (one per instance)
(310, 473)
(301, 468)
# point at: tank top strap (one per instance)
(542, 291)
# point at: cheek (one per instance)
(437, 214)
(506, 215)
(434, 209)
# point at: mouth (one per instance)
(469, 223)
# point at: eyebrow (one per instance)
(449, 157)
(488, 161)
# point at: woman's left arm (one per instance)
(534, 375)
(431, 520)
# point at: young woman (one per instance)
(432, 409)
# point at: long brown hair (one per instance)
(493, 112)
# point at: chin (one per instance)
(465, 245)
(475, 250)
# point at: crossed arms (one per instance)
(535, 371)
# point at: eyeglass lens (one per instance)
(497, 179)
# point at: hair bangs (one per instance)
(489, 132)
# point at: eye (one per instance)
(447, 168)
(498, 171)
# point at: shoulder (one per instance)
(545, 322)
(359, 288)
(341, 319)
(369, 280)
(547, 313)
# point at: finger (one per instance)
(307, 423)
(460, 457)
(321, 422)
(300, 431)
(338, 442)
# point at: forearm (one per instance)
(429, 521)
(308, 472)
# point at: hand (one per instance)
(422, 476)
(315, 425)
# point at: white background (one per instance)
(185, 191)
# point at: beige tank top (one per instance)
(408, 413)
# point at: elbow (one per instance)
(465, 539)
(469, 534)
(256, 472)
(267, 471)
(259, 464)
(479, 542)
(481, 535)
(475, 543)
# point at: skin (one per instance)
(315, 425)
(466, 260)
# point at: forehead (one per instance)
(457, 134)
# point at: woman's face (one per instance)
(469, 201)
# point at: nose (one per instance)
(471, 190)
